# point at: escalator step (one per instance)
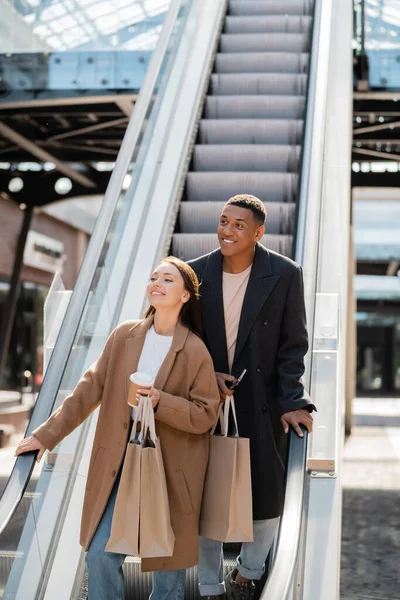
(219, 187)
(261, 62)
(191, 245)
(270, 7)
(268, 24)
(202, 217)
(254, 107)
(138, 585)
(246, 157)
(260, 42)
(258, 83)
(250, 131)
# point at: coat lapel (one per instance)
(133, 348)
(178, 343)
(213, 312)
(261, 283)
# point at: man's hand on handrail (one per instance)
(295, 418)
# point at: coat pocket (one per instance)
(183, 494)
(96, 468)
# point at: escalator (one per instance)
(222, 111)
(250, 133)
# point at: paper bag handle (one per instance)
(145, 415)
(138, 417)
(148, 422)
(223, 417)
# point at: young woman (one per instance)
(167, 345)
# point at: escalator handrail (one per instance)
(281, 579)
(24, 464)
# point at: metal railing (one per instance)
(282, 579)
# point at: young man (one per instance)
(254, 318)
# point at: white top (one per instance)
(154, 351)
(234, 286)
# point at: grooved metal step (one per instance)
(254, 107)
(219, 187)
(246, 157)
(270, 7)
(250, 131)
(268, 24)
(264, 42)
(262, 62)
(258, 84)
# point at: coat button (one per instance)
(265, 322)
(125, 425)
(264, 409)
(113, 473)
(258, 370)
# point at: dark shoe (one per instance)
(239, 591)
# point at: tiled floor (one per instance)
(371, 503)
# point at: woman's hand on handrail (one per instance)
(30, 444)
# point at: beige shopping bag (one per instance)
(141, 522)
(156, 535)
(124, 537)
(227, 513)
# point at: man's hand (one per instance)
(295, 418)
(28, 444)
(223, 390)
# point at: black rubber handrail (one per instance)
(23, 467)
(281, 577)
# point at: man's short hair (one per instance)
(251, 203)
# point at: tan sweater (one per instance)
(234, 287)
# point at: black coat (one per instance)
(271, 344)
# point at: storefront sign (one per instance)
(44, 253)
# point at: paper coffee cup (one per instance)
(138, 381)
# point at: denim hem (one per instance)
(253, 574)
(212, 589)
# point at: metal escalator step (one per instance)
(138, 585)
(191, 245)
(246, 157)
(270, 7)
(261, 62)
(219, 187)
(250, 131)
(268, 24)
(249, 107)
(258, 83)
(202, 217)
(260, 42)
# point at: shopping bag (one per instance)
(227, 513)
(141, 523)
(124, 536)
(156, 535)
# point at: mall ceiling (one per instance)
(43, 140)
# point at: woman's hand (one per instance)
(223, 390)
(28, 445)
(154, 394)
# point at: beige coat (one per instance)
(185, 413)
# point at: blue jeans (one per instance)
(105, 575)
(250, 563)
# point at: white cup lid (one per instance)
(141, 379)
